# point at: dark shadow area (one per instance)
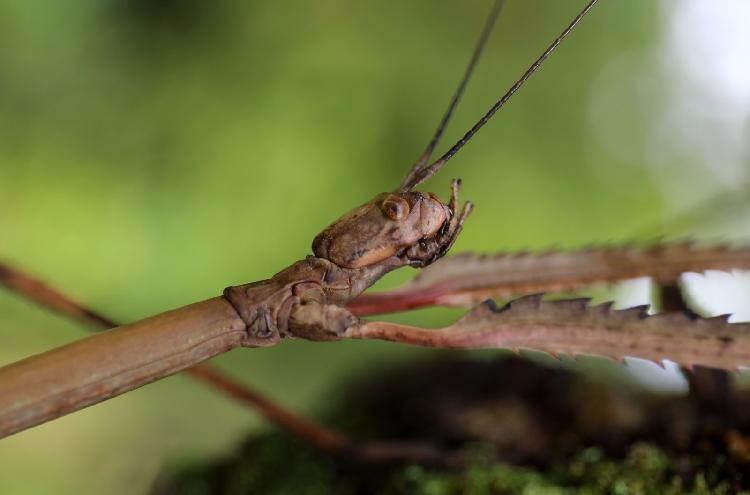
(524, 426)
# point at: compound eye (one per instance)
(395, 207)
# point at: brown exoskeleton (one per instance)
(390, 231)
(404, 227)
(311, 299)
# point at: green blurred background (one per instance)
(152, 153)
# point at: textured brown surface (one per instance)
(90, 370)
(467, 278)
(574, 327)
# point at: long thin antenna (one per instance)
(426, 172)
(424, 158)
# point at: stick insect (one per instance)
(400, 228)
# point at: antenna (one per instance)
(425, 173)
(424, 158)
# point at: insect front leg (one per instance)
(429, 251)
(310, 317)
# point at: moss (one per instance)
(530, 431)
(646, 470)
(276, 464)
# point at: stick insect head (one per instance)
(383, 227)
(404, 220)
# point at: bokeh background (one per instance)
(154, 152)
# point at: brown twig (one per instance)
(37, 291)
(327, 440)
